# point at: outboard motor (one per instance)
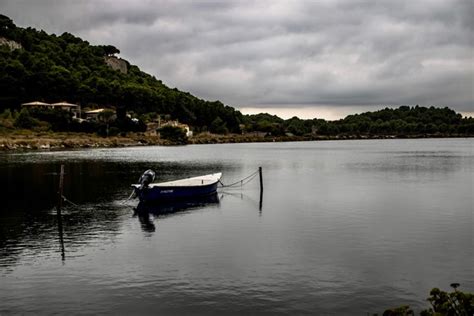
(146, 178)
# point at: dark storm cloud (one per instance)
(280, 53)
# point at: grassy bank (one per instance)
(30, 140)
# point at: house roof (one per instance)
(35, 103)
(97, 111)
(64, 103)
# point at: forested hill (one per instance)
(414, 121)
(36, 66)
(55, 68)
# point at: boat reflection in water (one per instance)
(145, 210)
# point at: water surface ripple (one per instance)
(346, 227)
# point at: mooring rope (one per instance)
(242, 182)
(133, 192)
(69, 201)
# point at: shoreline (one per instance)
(25, 141)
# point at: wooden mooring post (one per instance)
(61, 189)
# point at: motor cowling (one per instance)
(146, 178)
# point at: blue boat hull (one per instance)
(163, 193)
(173, 206)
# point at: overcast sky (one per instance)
(309, 58)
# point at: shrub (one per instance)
(114, 131)
(6, 119)
(24, 120)
(173, 133)
(218, 126)
(6, 115)
(442, 304)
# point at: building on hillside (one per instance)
(96, 115)
(189, 132)
(36, 104)
(151, 129)
(65, 106)
(169, 123)
(93, 115)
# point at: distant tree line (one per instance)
(401, 121)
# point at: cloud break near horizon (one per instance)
(306, 58)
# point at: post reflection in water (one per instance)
(145, 211)
(61, 237)
(247, 198)
(144, 218)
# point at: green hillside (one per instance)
(54, 68)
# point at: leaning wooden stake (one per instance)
(60, 191)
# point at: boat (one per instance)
(148, 191)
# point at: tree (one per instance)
(109, 50)
(6, 119)
(107, 116)
(218, 126)
(6, 26)
(6, 115)
(454, 303)
(297, 126)
(24, 120)
(173, 133)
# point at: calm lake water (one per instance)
(346, 227)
